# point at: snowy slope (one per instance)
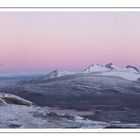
(17, 115)
(129, 72)
(123, 74)
(96, 68)
(56, 73)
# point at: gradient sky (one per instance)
(43, 41)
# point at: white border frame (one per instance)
(74, 130)
(69, 9)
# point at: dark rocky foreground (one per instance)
(108, 98)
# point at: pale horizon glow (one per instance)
(43, 41)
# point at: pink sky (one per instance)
(43, 41)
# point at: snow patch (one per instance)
(123, 74)
(96, 68)
(56, 73)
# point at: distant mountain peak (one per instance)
(109, 65)
(57, 73)
(135, 69)
(53, 74)
(96, 68)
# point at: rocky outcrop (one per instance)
(12, 99)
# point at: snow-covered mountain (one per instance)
(56, 73)
(128, 68)
(129, 72)
(96, 68)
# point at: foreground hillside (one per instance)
(16, 112)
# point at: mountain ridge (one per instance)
(129, 72)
